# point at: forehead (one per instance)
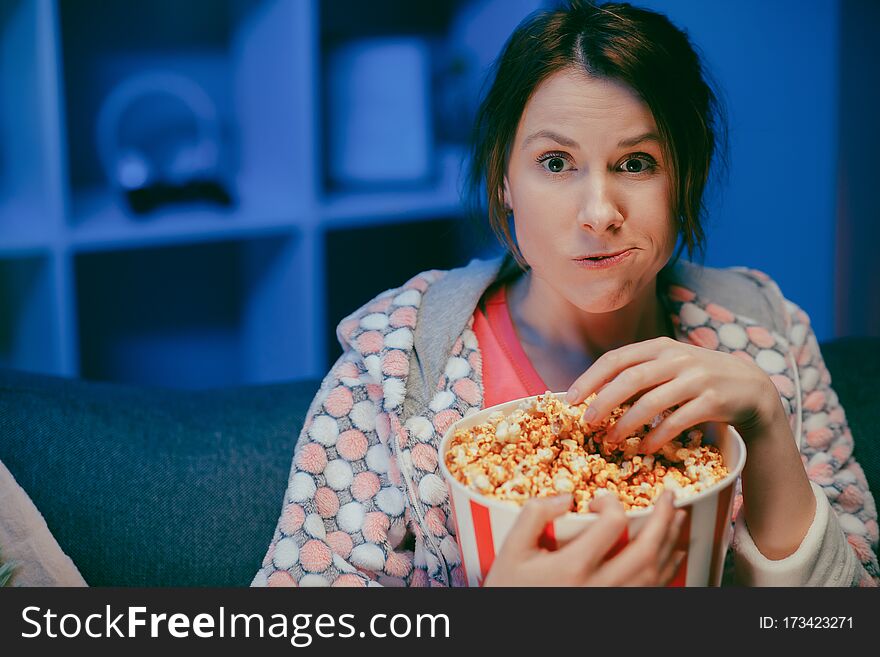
(585, 108)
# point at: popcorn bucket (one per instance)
(482, 522)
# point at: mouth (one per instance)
(603, 261)
(598, 257)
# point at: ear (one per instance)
(508, 202)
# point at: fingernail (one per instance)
(571, 395)
(589, 416)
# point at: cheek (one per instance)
(539, 226)
(651, 213)
(669, 224)
(662, 227)
(531, 192)
(540, 217)
(528, 237)
(667, 232)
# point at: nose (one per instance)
(599, 210)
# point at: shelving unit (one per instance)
(200, 295)
(29, 323)
(31, 209)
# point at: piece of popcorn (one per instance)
(545, 454)
(563, 484)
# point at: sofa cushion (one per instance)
(153, 487)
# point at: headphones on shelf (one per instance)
(158, 129)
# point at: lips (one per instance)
(597, 256)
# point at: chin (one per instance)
(598, 305)
(607, 298)
(601, 308)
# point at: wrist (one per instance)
(768, 420)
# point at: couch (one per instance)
(157, 487)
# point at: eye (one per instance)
(553, 162)
(639, 163)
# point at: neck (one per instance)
(546, 320)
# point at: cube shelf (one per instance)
(199, 294)
(189, 314)
(227, 55)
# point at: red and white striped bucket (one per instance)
(482, 522)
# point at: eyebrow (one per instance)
(647, 136)
(571, 143)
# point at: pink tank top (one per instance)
(507, 371)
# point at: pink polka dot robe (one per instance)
(366, 506)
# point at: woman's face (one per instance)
(586, 175)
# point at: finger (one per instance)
(685, 417)
(535, 514)
(659, 521)
(633, 565)
(610, 364)
(641, 414)
(629, 383)
(670, 568)
(595, 541)
(668, 558)
(672, 536)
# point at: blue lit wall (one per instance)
(777, 64)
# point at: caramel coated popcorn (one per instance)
(543, 449)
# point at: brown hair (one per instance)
(637, 47)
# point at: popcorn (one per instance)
(543, 449)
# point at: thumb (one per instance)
(533, 518)
(593, 543)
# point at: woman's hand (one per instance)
(707, 385)
(648, 560)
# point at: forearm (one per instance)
(778, 502)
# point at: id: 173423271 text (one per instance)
(806, 622)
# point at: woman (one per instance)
(593, 145)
